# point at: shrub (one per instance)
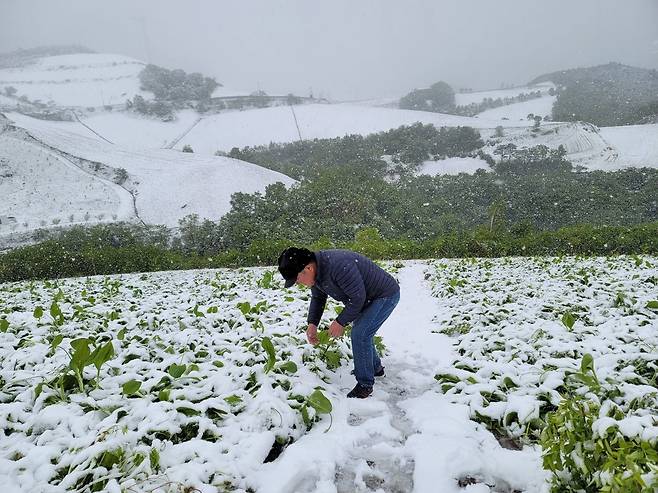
(176, 85)
(439, 97)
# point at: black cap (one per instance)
(292, 261)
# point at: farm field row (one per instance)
(204, 379)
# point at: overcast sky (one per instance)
(347, 49)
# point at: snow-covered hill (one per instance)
(41, 189)
(636, 145)
(167, 185)
(315, 121)
(463, 99)
(137, 131)
(519, 111)
(82, 80)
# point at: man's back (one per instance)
(336, 265)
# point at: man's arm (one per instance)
(348, 278)
(316, 308)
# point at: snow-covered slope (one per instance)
(606, 149)
(609, 148)
(137, 131)
(168, 185)
(40, 188)
(479, 96)
(519, 111)
(453, 166)
(262, 126)
(636, 145)
(82, 79)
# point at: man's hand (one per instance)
(336, 329)
(312, 334)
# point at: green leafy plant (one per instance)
(56, 313)
(568, 319)
(328, 351)
(582, 461)
(131, 387)
(319, 403)
(266, 342)
(267, 281)
(587, 375)
(175, 370)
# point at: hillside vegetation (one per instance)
(406, 147)
(606, 95)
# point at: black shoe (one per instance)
(378, 373)
(360, 391)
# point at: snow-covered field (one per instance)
(262, 126)
(199, 373)
(168, 185)
(41, 189)
(83, 79)
(607, 149)
(636, 145)
(463, 99)
(519, 111)
(453, 166)
(132, 130)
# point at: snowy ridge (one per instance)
(80, 80)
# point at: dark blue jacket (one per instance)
(350, 278)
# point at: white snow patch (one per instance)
(453, 166)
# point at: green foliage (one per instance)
(101, 355)
(267, 281)
(473, 109)
(131, 387)
(80, 358)
(534, 160)
(176, 371)
(568, 320)
(535, 187)
(439, 97)
(266, 342)
(362, 156)
(605, 95)
(51, 260)
(583, 461)
(319, 402)
(327, 350)
(176, 85)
